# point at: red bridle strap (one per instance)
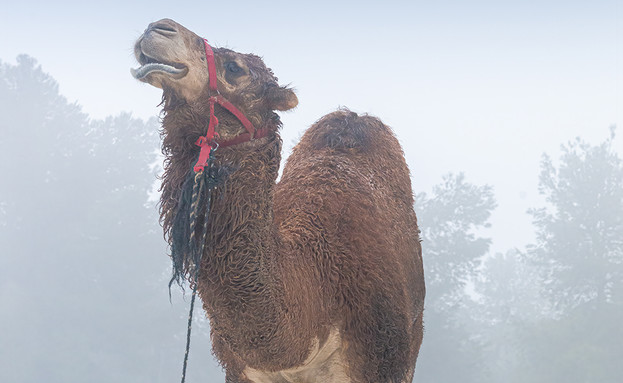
(212, 84)
(206, 142)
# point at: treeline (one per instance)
(83, 271)
(550, 312)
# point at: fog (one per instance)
(507, 116)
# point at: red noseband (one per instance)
(206, 142)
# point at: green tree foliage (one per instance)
(580, 233)
(83, 273)
(450, 219)
(579, 253)
(553, 312)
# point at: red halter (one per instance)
(206, 142)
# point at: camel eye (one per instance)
(233, 68)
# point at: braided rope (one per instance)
(198, 187)
(198, 190)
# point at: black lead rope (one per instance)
(190, 322)
(202, 178)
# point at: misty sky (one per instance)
(483, 87)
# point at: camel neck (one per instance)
(241, 235)
(239, 272)
(240, 280)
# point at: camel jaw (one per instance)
(150, 63)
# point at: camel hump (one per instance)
(347, 130)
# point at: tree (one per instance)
(579, 253)
(449, 220)
(83, 272)
(580, 234)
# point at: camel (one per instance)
(316, 278)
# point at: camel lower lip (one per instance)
(141, 72)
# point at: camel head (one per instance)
(173, 58)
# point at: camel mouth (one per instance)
(151, 65)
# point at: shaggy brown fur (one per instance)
(333, 246)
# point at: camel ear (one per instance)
(282, 98)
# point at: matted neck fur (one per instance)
(317, 278)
